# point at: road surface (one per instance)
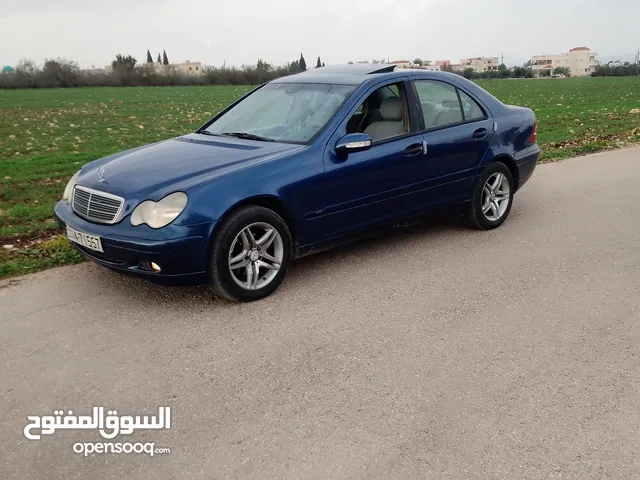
(432, 352)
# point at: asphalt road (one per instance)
(431, 352)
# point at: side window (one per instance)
(383, 114)
(472, 111)
(440, 103)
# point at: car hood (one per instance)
(152, 171)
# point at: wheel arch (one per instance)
(510, 163)
(267, 201)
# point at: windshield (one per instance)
(282, 112)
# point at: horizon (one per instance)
(629, 57)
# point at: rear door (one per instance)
(457, 131)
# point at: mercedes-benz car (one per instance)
(297, 165)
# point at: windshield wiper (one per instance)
(206, 132)
(247, 136)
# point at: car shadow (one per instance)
(354, 252)
(382, 241)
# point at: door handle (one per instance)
(413, 150)
(480, 133)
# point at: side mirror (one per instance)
(354, 142)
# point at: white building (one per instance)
(481, 64)
(189, 68)
(580, 61)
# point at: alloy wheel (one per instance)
(496, 195)
(255, 256)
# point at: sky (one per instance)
(214, 32)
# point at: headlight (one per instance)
(68, 190)
(159, 214)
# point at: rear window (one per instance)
(472, 111)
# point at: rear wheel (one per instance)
(250, 254)
(492, 198)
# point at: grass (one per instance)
(47, 135)
(577, 116)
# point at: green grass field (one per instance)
(46, 135)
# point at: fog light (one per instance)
(155, 266)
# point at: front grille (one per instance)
(96, 206)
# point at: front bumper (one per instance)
(182, 252)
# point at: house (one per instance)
(189, 68)
(580, 61)
(481, 64)
(402, 63)
(447, 65)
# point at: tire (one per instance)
(499, 204)
(236, 254)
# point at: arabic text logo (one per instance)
(109, 426)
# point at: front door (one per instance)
(378, 184)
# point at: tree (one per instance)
(417, 61)
(562, 71)
(149, 59)
(545, 73)
(318, 63)
(60, 73)
(121, 62)
(159, 59)
(27, 66)
(503, 71)
(522, 72)
(469, 73)
(263, 66)
(323, 64)
(165, 60)
(26, 73)
(303, 64)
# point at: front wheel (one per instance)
(250, 254)
(492, 198)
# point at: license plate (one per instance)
(90, 241)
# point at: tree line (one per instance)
(126, 71)
(524, 71)
(625, 70)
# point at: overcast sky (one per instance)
(214, 31)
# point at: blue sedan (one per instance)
(297, 165)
